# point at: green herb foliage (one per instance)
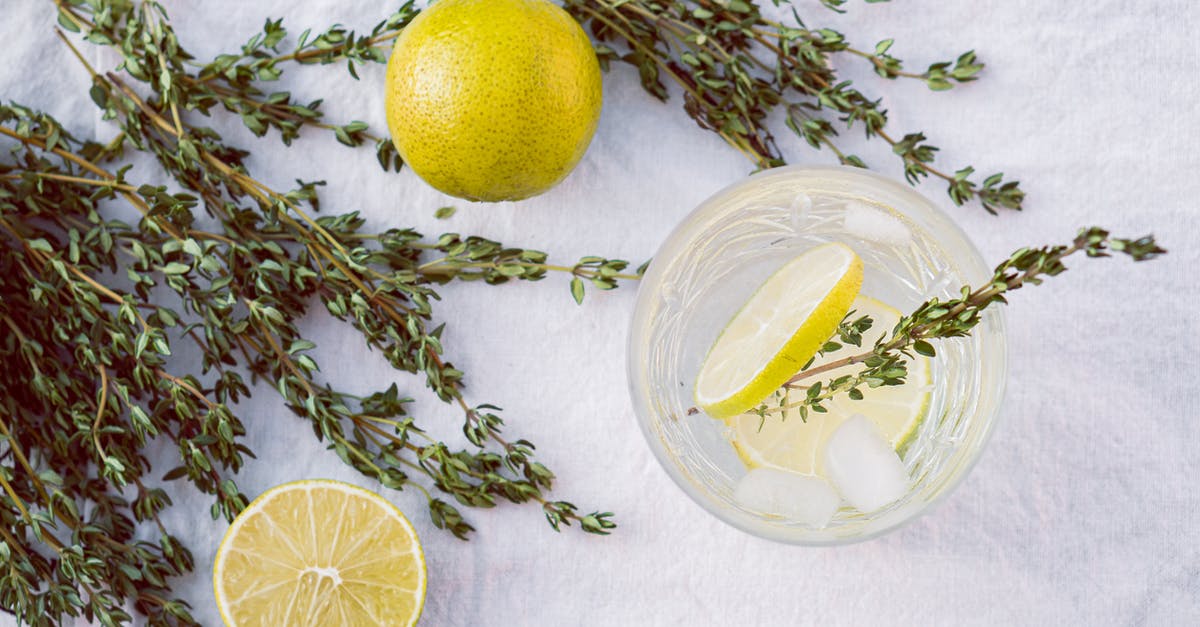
(886, 362)
(92, 308)
(736, 66)
(733, 65)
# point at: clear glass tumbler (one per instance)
(714, 260)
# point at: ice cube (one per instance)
(799, 498)
(801, 206)
(874, 225)
(863, 466)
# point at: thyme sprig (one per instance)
(734, 66)
(92, 308)
(87, 377)
(886, 363)
(233, 81)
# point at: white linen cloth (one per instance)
(1084, 508)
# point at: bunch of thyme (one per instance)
(92, 306)
(86, 386)
(734, 66)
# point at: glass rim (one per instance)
(637, 350)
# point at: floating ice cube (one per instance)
(797, 497)
(874, 225)
(801, 206)
(863, 466)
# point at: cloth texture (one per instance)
(1083, 509)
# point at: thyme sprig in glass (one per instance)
(886, 363)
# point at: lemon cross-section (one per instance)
(779, 329)
(320, 553)
(789, 443)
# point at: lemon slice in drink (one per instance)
(793, 444)
(779, 329)
(320, 553)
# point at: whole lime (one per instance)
(493, 99)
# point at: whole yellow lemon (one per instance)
(493, 99)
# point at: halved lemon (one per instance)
(779, 329)
(320, 553)
(790, 443)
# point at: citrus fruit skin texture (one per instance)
(493, 99)
(320, 552)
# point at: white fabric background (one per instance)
(1083, 510)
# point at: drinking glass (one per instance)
(710, 265)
